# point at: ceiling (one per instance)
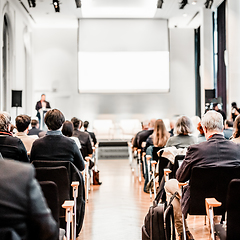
(45, 16)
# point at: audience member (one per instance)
(35, 129)
(201, 136)
(172, 124)
(217, 109)
(92, 134)
(12, 129)
(83, 137)
(10, 147)
(55, 146)
(22, 124)
(67, 130)
(236, 130)
(158, 138)
(235, 111)
(216, 151)
(143, 135)
(22, 205)
(145, 125)
(228, 129)
(182, 129)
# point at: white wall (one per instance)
(20, 28)
(55, 73)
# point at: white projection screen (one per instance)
(123, 56)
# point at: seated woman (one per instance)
(182, 130)
(157, 139)
(55, 146)
(10, 147)
(67, 130)
(236, 130)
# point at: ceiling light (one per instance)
(183, 3)
(160, 3)
(184, 15)
(78, 3)
(32, 3)
(194, 2)
(208, 4)
(56, 5)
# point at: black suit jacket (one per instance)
(59, 148)
(217, 151)
(85, 141)
(39, 105)
(22, 204)
(34, 131)
(12, 148)
(93, 137)
(142, 137)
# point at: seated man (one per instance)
(216, 151)
(83, 137)
(92, 134)
(228, 129)
(10, 147)
(22, 124)
(35, 129)
(55, 146)
(22, 205)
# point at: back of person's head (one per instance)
(145, 124)
(54, 119)
(183, 126)
(236, 127)
(12, 127)
(234, 104)
(152, 123)
(160, 134)
(77, 123)
(22, 122)
(228, 123)
(85, 124)
(212, 121)
(215, 105)
(5, 121)
(34, 122)
(67, 128)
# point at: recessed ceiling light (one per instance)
(194, 2)
(184, 15)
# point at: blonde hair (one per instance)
(160, 134)
(183, 126)
(5, 121)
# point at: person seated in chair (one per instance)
(216, 151)
(10, 147)
(55, 146)
(228, 129)
(22, 124)
(35, 129)
(22, 204)
(83, 137)
(92, 134)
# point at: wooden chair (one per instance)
(232, 230)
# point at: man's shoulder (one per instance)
(16, 167)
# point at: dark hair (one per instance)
(76, 122)
(234, 104)
(43, 95)
(54, 119)
(236, 127)
(85, 124)
(67, 129)
(229, 123)
(22, 122)
(34, 123)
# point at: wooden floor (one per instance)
(116, 209)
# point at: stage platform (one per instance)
(112, 149)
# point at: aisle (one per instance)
(117, 208)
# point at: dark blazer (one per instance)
(93, 137)
(12, 148)
(57, 147)
(39, 105)
(34, 131)
(85, 141)
(217, 151)
(22, 204)
(142, 137)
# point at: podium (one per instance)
(42, 112)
